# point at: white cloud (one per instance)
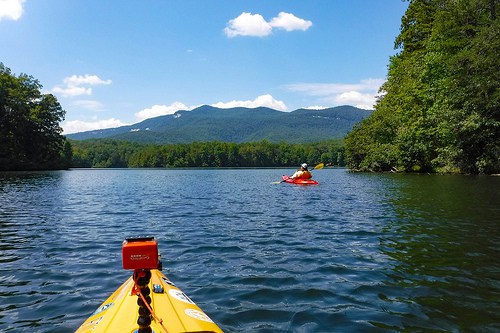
(264, 100)
(76, 126)
(161, 110)
(11, 9)
(78, 80)
(89, 104)
(72, 91)
(290, 22)
(77, 85)
(248, 24)
(362, 95)
(362, 101)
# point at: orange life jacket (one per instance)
(305, 175)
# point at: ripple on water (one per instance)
(362, 253)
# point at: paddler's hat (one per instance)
(304, 165)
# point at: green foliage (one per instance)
(107, 153)
(440, 111)
(30, 136)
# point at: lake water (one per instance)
(357, 253)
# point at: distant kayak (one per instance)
(289, 180)
(173, 311)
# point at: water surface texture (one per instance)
(357, 253)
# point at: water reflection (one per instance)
(445, 243)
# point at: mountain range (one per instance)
(208, 123)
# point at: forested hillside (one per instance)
(440, 111)
(207, 123)
(30, 136)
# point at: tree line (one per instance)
(30, 135)
(107, 153)
(439, 111)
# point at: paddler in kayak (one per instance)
(302, 173)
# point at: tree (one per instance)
(30, 135)
(474, 109)
(105, 153)
(440, 107)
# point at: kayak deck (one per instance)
(289, 180)
(119, 313)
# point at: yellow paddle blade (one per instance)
(319, 166)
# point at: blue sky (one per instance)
(117, 62)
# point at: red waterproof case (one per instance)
(140, 253)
